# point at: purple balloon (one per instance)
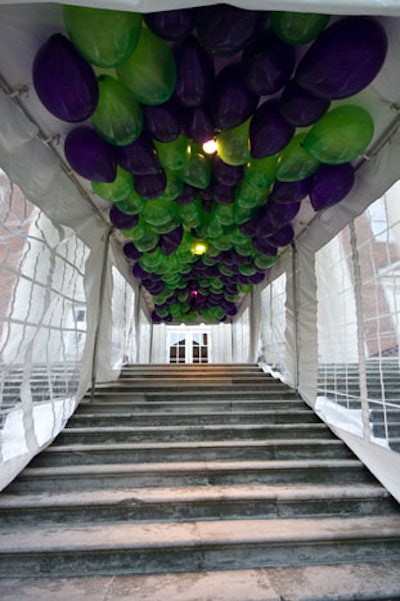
(140, 157)
(163, 121)
(198, 124)
(250, 227)
(267, 67)
(269, 132)
(121, 220)
(150, 186)
(282, 237)
(229, 175)
(171, 241)
(265, 226)
(330, 184)
(153, 287)
(264, 247)
(289, 192)
(64, 81)
(131, 252)
(195, 73)
(344, 59)
(155, 318)
(280, 214)
(233, 101)
(300, 107)
(139, 272)
(171, 25)
(222, 194)
(225, 30)
(187, 195)
(90, 156)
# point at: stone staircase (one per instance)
(197, 483)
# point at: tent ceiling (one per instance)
(26, 27)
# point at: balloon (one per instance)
(106, 38)
(147, 242)
(280, 214)
(222, 194)
(118, 117)
(248, 196)
(264, 261)
(198, 124)
(117, 190)
(150, 186)
(288, 192)
(170, 242)
(155, 317)
(341, 135)
(233, 144)
(174, 186)
(249, 228)
(269, 132)
(132, 204)
(197, 171)
(187, 195)
(233, 101)
(260, 173)
(65, 83)
(140, 157)
(344, 59)
(89, 155)
(282, 237)
(191, 214)
(121, 220)
(264, 247)
(301, 108)
(173, 155)
(294, 162)
(149, 72)
(267, 67)
(330, 184)
(163, 121)
(242, 214)
(131, 252)
(158, 212)
(229, 175)
(195, 73)
(298, 28)
(225, 30)
(171, 24)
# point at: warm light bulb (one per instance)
(199, 247)
(210, 146)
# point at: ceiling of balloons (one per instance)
(205, 129)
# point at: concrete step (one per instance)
(346, 582)
(200, 473)
(194, 395)
(154, 418)
(196, 545)
(193, 433)
(192, 503)
(88, 454)
(100, 405)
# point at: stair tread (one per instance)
(210, 466)
(305, 426)
(158, 535)
(278, 493)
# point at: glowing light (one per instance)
(210, 146)
(199, 247)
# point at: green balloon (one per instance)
(118, 116)
(106, 38)
(191, 214)
(297, 28)
(236, 236)
(173, 155)
(197, 171)
(150, 71)
(151, 262)
(223, 213)
(148, 241)
(260, 173)
(132, 204)
(158, 212)
(116, 191)
(174, 186)
(241, 214)
(264, 261)
(245, 247)
(247, 269)
(341, 135)
(222, 243)
(233, 144)
(294, 162)
(249, 197)
(246, 288)
(137, 232)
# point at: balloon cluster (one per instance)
(156, 87)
